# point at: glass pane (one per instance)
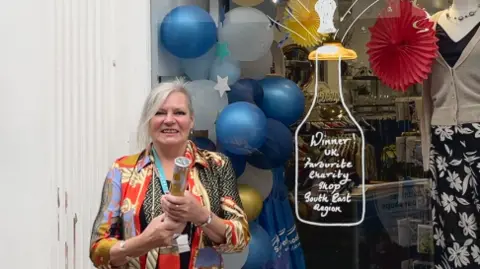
(319, 107)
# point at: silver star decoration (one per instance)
(222, 85)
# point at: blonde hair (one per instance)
(154, 100)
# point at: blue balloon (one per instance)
(204, 143)
(247, 90)
(239, 162)
(276, 150)
(188, 32)
(259, 248)
(283, 100)
(241, 128)
(225, 68)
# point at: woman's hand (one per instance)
(159, 232)
(180, 226)
(184, 209)
(117, 257)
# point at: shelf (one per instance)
(373, 105)
(361, 78)
(294, 63)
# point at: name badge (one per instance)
(182, 243)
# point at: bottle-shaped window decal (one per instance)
(329, 142)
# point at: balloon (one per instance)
(303, 210)
(283, 100)
(260, 247)
(260, 179)
(238, 161)
(188, 32)
(207, 104)
(248, 3)
(247, 90)
(257, 69)
(208, 257)
(204, 143)
(225, 68)
(251, 200)
(276, 150)
(241, 128)
(248, 32)
(235, 260)
(198, 68)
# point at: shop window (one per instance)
(334, 129)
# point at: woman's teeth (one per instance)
(171, 131)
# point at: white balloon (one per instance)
(207, 104)
(259, 179)
(235, 260)
(198, 68)
(248, 33)
(257, 69)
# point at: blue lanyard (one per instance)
(161, 174)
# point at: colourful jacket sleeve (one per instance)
(237, 233)
(106, 229)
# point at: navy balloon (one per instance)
(204, 143)
(248, 90)
(241, 128)
(259, 248)
(188, 32)
(276, 150)
(239, 162)
(283, 100)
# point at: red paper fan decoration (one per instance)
(403, 45)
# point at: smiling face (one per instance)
(173, 121)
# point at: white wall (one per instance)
(26, 131)
(73, 76)
(133, 67)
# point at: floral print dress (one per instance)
(455, 170)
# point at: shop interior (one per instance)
(397, 206)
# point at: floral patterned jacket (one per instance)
(127, 187)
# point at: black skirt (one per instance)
(455, 170)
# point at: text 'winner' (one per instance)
(329, 174)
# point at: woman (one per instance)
(140, 224)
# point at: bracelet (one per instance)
(209, 220)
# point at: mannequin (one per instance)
(454, 25)
(451, 136)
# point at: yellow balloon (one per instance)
(252, 201)
(248, 3)
(303, 210)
